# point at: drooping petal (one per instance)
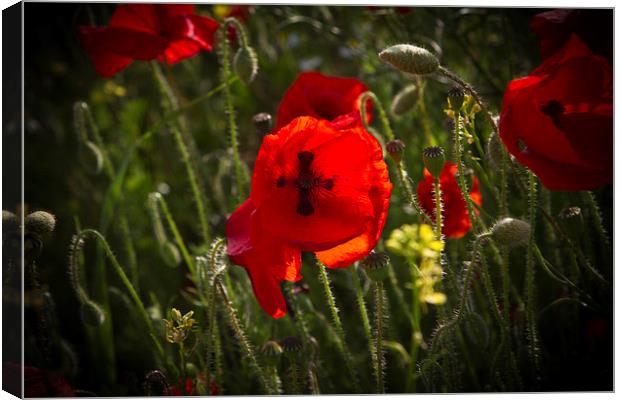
(137, 17)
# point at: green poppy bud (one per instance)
(404, 100)
(170, 254)
(92, 314)
(495, 151)
(410, 59)
(271, 351)
(40, 223)
(511, 232)
(91, 158)
(434, 160)
(246, 64)
(395, 149)
(376, 265)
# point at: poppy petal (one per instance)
(137, 17)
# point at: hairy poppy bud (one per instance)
(291, 344)
(91, 158)
(10, 222)
(494, 151)
(434, 160)
(170, 254)
(456, 95)
(263, 122)
(411, 59)
(40, 223)
(511, 232)
(571, 220)
(92, 314)
(375, 264)
(246, 64)
(155, 384)
(272, 351)
(404, 100)
(395, 149)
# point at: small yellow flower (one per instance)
(178, 326)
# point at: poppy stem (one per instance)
(425, 120)
(595, 214)
(460, 172)
(240, 178)
(405, 184)
(364, 315)
(186, 157)
(438, 210)
(342, 347)
(77, 246)
(380, 315)
(532, 329)
(363, 98)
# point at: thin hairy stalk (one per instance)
(364, 315)
(459, 165)
(398, 293)
(425, 120)
(438, 209)
(225, 73)
(416, 332)
(300, 318)
(597, 218)
(363, 98)
(245, 345)
(379, 328)
(76, 250)
(532, 331)
(190, 170)
(342, 345)
(403, 180)
(215, 266)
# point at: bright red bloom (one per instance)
(170, 32)
(317, 186)
(320, 96)
(558, 121)
(174, 390)
(455, 219)
(593, 26)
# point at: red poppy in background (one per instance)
(455, 219)
(170, 32)
(320, 96)
(558, 121)
(174, 390)
(593, 26)
(317, 186)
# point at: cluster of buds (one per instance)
(179, 326)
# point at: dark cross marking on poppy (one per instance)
(553, 109)
(307, 181)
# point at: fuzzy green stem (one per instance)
(342, 347)
(595, 213)
(379, 322)
(230, 112)
(438, 210)
(363, 98)
(192, 175)
(237, 328)
(532, 330)
(459, 165)
(416, 331)
(363, 313)
(211, 304)
(409, 194)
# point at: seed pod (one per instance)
(456, 95)
(92, 314)
(291, 345)
(170, 254)
(395, 149)
(10, 222)
(271, 351)
(91, 158)
(434, 160)
(263, 122)
(404, 100)
(246, 64)
(376, 265)
(410, 59)
(495, 151)
(40, 223)
(511, 232)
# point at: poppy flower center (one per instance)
(553, 109)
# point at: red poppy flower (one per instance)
(37, 382)
(455, 219)
(174, 390)
(554, 28)
(558, 121)
(317, 186)
(320, 96)
(170, 32)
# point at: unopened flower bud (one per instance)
(246, 64)
(271, 351)
(495, 151)
(40, 223)
(170, 254)
(410, 59)
(92, 314)
(434, 160)
(376, 265)
(291, 344)
(511, 232)
(263, 122)
(395, 149)
(91, 158)
(571, 220)
(456, 95)
(404, 100)
(10, 222)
